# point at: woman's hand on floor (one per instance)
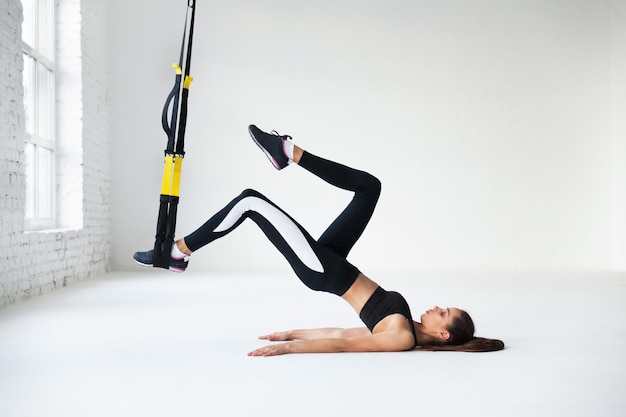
(277, 337)
(271, 350)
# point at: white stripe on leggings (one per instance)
(285, 226)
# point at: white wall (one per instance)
(489, 123)
(38, 262)
(618, 116)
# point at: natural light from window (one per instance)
(39, 98)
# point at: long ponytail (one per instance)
(462, 338)
(476, 344)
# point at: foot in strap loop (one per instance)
(147, 259)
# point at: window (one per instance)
(39, 99)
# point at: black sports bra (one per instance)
(383, 303)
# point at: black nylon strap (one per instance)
(175, 129)
(180, 142)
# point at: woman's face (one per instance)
(438, 319)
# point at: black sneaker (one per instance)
(271, 145)
(146, 259)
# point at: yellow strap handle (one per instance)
(171, 175)
(166, 184)
(178, 166)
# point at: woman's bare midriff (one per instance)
(359, 292)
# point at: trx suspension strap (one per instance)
(174, 121)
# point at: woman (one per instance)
(321, 265)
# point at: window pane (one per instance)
(38, 31)
(29, 93)
(28, 26)
(44, 27)
(45, 83)
(29, 163)
(44, 182)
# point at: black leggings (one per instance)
(320, 264)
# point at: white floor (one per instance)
(154, 343)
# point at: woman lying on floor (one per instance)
(322, 266)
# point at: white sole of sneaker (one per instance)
(171, 268)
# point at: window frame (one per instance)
(39, 98)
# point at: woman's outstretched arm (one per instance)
(314, 334)
(389, 341)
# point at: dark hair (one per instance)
(462, 338)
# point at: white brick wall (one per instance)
(35, 263)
